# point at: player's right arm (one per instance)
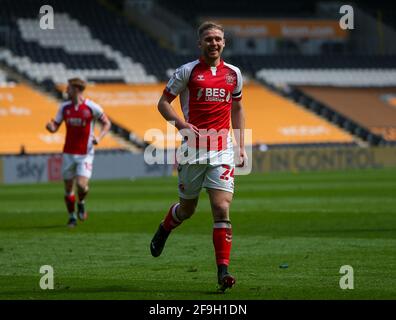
(54, 124)
(176, 84)
(170, 115)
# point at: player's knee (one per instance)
(185, 212)
(69, 186)
(82, 187)
(221, 209)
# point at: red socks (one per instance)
(70, 200)
(222, 235)
(171, 220)
(222, 239)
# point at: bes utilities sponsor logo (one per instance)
(213, 94)
(76, 122)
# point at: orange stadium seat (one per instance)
(134, 107)
(24, 113)
(272, 118)
(277, 120)
(374, 108)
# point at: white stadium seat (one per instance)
(330, 77)
(73, 38)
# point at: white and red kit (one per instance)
(78, 150)
(80, 122)
(206, 95)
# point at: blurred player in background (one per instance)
(210, 94)
(79, 115)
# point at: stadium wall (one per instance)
(107, 166)
(323, 159)
(46, 168)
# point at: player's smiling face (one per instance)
(212, 44)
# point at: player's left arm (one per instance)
(238, 126)
(106, 125)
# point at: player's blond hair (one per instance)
(77, 82)
(209, 25)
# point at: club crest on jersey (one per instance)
(86, 113)
(230, 79)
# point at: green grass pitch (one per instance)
(314, 222)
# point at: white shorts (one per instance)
(76, 165)
(192, 177)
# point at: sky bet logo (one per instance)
(214, 94)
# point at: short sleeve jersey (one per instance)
(206, 96)
(80, 122)
(206, 93)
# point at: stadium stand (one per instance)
(133, 107)
(327, 77)
(277, 120)
(88, 40)
(3, 78)
(93, 41)
(325, 61)
(84, 42)
(23, 115)
(89, 45)
(361, 72)
(374, 108)
(344, 70)
(70, 48)
(273, 118)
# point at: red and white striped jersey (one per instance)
(80, 122)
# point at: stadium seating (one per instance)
(24, 113)
(325, 61)
(328, 77)
(3, 78)
(277, 120)
(133, 107)
(88, 40)
(272, 118)
(85, 42)
(69, 50)
(374, 108)
(343, 70)
(92, 41)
